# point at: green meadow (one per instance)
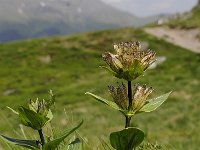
(69, 66)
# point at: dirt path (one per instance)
(184, 38)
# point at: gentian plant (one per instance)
(36, 116)
(129, 63)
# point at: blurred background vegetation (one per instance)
(69, 65)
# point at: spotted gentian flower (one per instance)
(130, 62)
(119, 95)
(139, 97)
(140, 94)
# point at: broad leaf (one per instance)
(107, 102)
(32, 119)
(52, 145)
(109, 70)
(126, 139)
(31, 144)
(154, 103)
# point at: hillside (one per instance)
(69, 66)
(182, 30)
(27, 19)
(187, 20)
(24, 19)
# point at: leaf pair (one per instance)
(32, 119)
(151, 104)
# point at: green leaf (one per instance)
(107, 102)
(32, 119)
(31, 144)
(154, 103)
(109, 70)
(52, 145)
(126, 139)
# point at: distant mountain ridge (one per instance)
(21, 19)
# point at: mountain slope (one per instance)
(182, 29)
(187, 20)
(26, 19)
(69, 66)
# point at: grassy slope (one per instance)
(193, 21)
(74, 70)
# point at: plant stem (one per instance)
(129, 93)
(127, 124)
(128, 119)
(41, 137)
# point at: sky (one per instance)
(143, 8)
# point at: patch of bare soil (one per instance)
(188, 39)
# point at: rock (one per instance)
(9, 92)
(159, 60)
(45, 59)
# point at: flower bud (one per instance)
(112, 61)
(38, 114)
(140, 94)
(119, 95)
(139, 97)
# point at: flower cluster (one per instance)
(42, 106)
(139, 97)
(38, 113)
(130, 62)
